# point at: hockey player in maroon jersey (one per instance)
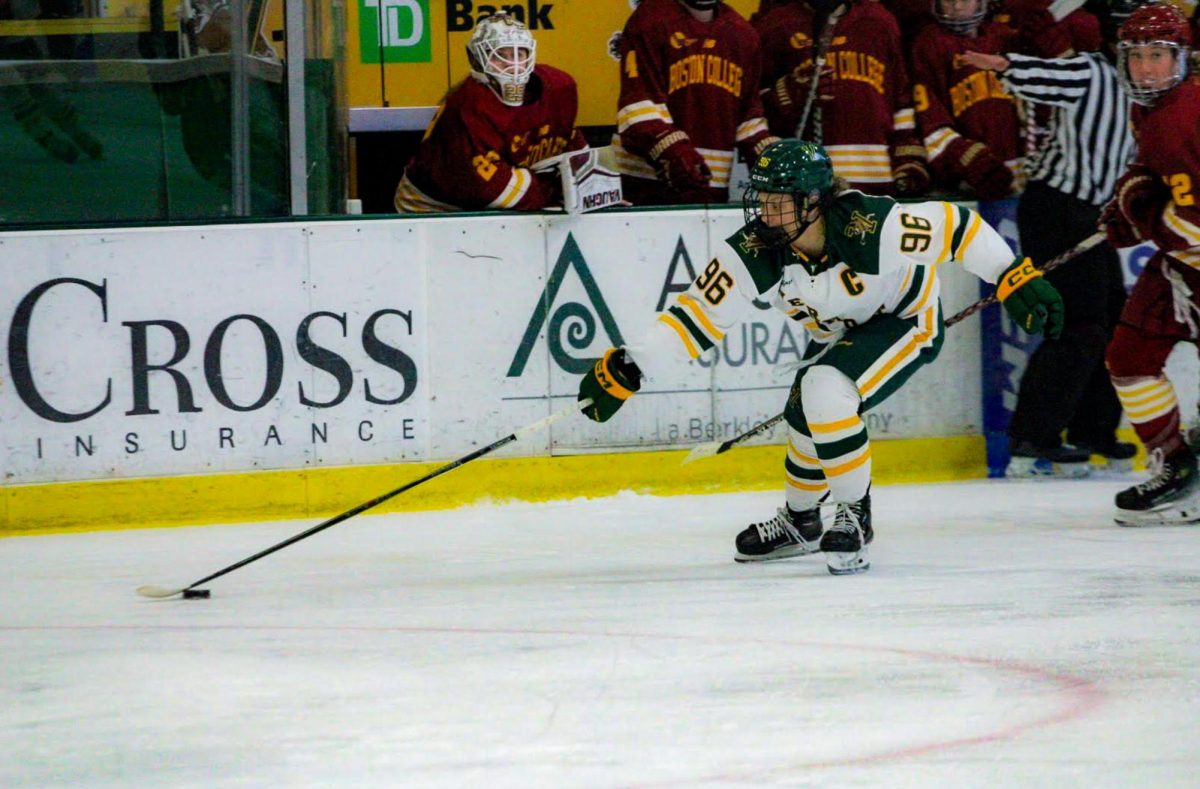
(969, 122)
(1156, 201)
(862, 110)
(510, 114)
(689, 97)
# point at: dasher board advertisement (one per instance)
(169, 351)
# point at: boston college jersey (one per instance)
(881, 259)
(953, 98)
(1169, 144)
(863, 115)
(478, 150)
(678, 73)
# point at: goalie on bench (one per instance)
(859, 273)
(481, 150)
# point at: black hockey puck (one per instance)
(196, 594)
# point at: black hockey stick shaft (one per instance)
(366, 505)
(1050, 265)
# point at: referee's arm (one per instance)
(1057, 81)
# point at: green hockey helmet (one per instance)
(800, 169)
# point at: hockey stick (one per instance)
(718, 447)
(163, 592)
(823, 44)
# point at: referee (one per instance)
(1065, 386)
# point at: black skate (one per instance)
(789, 533)
(1064, 461)
(845, 544)
(1117, 456)
(1170, 496)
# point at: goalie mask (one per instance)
(801, 170)
(701, 5)
(961, 17)
(1152, 51)
(502, 55)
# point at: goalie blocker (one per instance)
(590, 180)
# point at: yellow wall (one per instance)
(578, 44)
(323, 492)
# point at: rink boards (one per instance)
(207, 373)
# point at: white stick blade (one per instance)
(158, 592)
(703, 451)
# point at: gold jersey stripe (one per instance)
(684, 337)
(697, 312)
(917, 341)
(846, 468)
(976, 223)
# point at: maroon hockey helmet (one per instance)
(1154, 25)
(1155, 22)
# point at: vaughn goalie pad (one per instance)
(589, 181)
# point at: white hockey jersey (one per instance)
(881, 257)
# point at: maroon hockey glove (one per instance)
(679, 163)
(1038, 29)
(545, 189)
(909, 173)
(1141, 197)
(985, 172)
(1117, 229)
(784, 99)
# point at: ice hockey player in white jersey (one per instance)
(859, 273)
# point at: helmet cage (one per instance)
(963, 26)
(1147, 93)
(780, 237)
(494, 52)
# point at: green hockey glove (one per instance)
(1031, 301)
(611, 381)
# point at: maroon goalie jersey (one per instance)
(863, 111)
(478, 151)
(681, 74)
(954, 100)
(1169, 144)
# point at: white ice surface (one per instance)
(1007, 635)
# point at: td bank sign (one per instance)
(394, 31)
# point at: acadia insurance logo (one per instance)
(570, 321)
(394, 31)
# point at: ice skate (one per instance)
(1170, 497)
(1114, 458)
(788, 534)
(1062, 462)
(845, 544)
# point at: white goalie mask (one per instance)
(502, 55)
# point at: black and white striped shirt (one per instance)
(1090, 139)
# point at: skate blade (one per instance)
(788, 552)
(1040, 468)
(848, 563)
(1168, 516)
(1103, 465)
